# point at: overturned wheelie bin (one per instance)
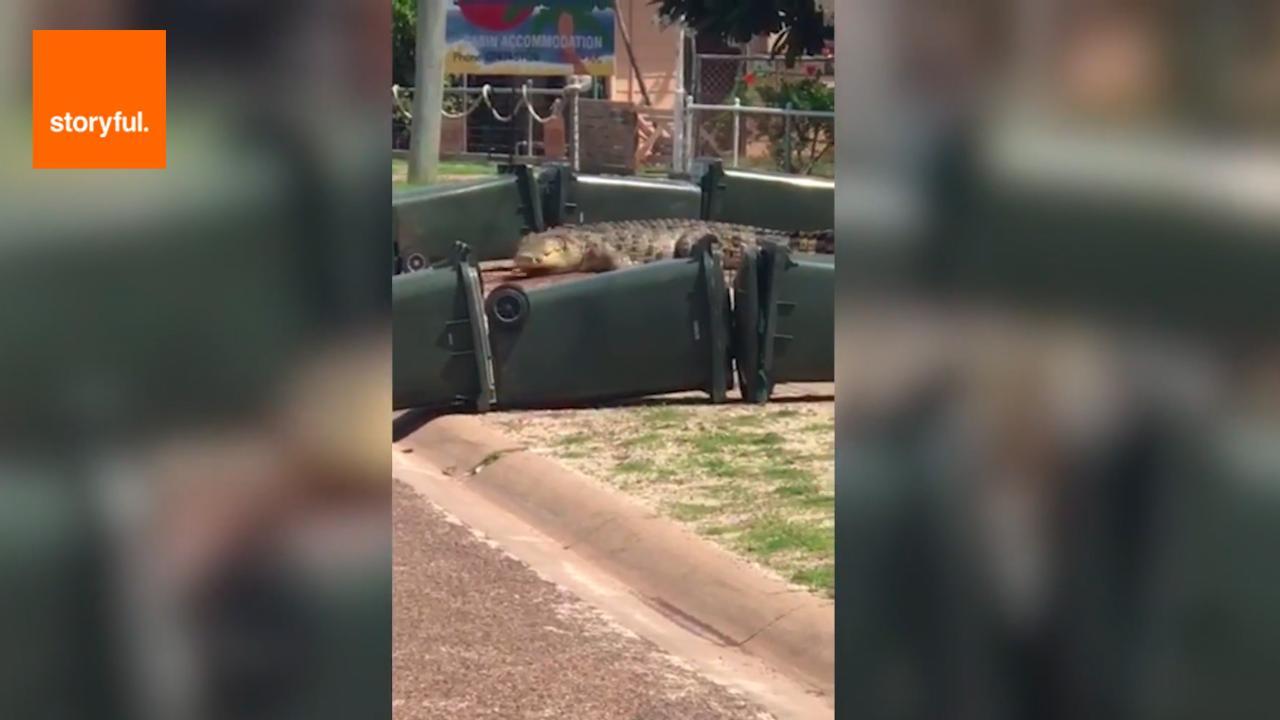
(658, 328)
(603, 198)
(440, 355)
(784, 317)
(764, 199)
(490, 214)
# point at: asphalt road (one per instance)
(479, 635)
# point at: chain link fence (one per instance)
(753, 111)
(715, 78)
(775, 139)
(749, 111)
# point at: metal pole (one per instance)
(466, 117)
(690, 134)
(697, 73)
(428, 93)
(528, 111)
(577, 135)
(677, 115)
(737, 130)
(786, 140)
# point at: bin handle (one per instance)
(713, 277)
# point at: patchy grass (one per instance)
(757, 479)
(573, 439)
(636, 466)
(799, 489)
(774, 534)
(690, 511)
(449, 171)
(823, 576)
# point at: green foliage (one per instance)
(807, 94)
(404, 20)
(800, 25)
(811, 138)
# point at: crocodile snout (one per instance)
(528, 261)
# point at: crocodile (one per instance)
(604, 246)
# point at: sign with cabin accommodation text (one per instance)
(524, 37)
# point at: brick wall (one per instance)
(608, 136)
(453, 138)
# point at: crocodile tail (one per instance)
(821, 242)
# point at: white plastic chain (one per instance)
(466, 109)
(555, 107)
(485, 93)
(398, 104)
(485, 97)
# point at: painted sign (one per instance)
(530, 37)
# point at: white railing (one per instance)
(685, 133)
(737, 109)
(483, 96)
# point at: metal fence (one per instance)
(494, 121)
(763, 138)
(715, 76)
(740, 110)
(513, 123)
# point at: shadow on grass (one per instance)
(409, 421)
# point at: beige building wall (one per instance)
(656, 52)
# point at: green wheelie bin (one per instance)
(658, 328)
(771, 200)
(490, 215)
(440, 355)
(603, 198)
(784, 319)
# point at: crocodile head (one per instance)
(548, 255)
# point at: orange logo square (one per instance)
(98, 99)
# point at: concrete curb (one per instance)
(697, 584)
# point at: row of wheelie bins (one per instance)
(491, 214)
(663, 327)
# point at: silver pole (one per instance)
(690, 134)
(466, 117)
(697, 73)
(577, 136)
(737, 130)
(528, 113)
(677, 115)
(786, 141)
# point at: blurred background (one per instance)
(1058, 447)
(1058, 463)
(195, 379)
